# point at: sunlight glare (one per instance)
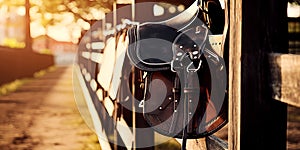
(21, 11)
(3, 9)
(61, 7)
(72, 5)
(36, 2)
(293, 10)
(97, 14)
(48, 16)
(59, 33)
(76, 32)
(83, 24)
(36, 29)
(68, 18)
(158, 10)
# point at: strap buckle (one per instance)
(190, 69)
(178, 63)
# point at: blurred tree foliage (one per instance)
(12, 3)
(49, 10)
(81, 9)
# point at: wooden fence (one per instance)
(263, 79)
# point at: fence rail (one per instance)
(262, 80)
(285, 78)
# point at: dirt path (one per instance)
(42, 114)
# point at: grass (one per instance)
(164, 142)
(91, 140)
(14, 85)
(171, 144)
(91, 143)
(43, 72)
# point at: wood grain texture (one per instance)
(263, 120)
(235, 74)
(194, 144)
(209, 143)
(285, 78)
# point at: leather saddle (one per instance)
(184, 78)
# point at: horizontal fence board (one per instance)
(86, 55)
(285, 78)
(96, 57)
(125, 133)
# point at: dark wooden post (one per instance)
(257, 29)
(28, 39)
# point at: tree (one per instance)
(18, 3)
(28, 39)
(85, 10)
(81, 9)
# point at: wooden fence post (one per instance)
(234, 112)
(257, 28)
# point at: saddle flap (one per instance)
(159, 95)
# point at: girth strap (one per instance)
(181, 65)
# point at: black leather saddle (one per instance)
(185, 80)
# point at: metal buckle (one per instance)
(189, 69)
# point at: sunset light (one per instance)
(62, 22)
(293, 10)
(149, 74)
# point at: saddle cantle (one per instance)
(185, 80)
